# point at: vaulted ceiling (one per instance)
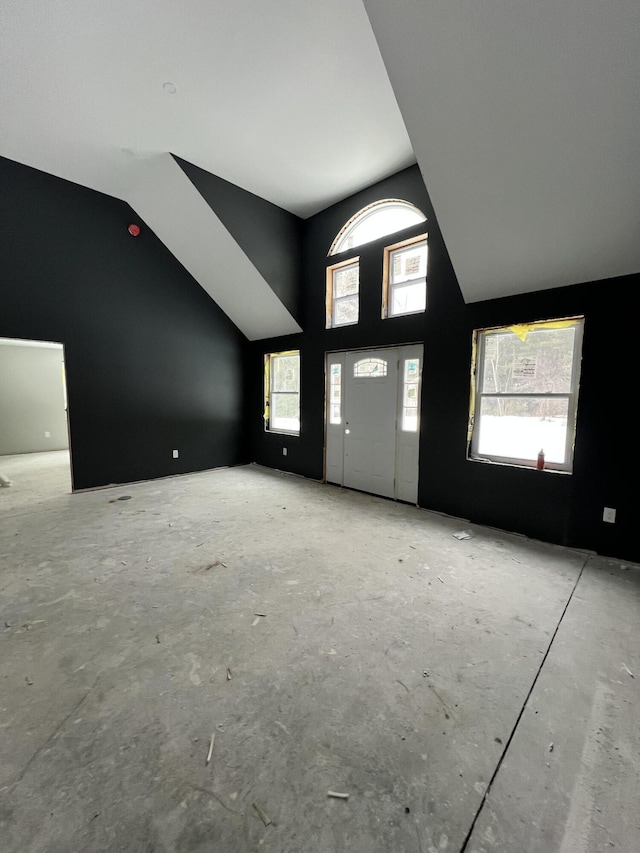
(523, 118)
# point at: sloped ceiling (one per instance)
(524, 120)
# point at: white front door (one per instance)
(372, 431)
(371, 392)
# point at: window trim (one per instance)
(329, 297)
(386, 276)
(476, 396)
(268, 372)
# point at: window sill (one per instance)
(342, 325)
(520, 465)
(405, 314)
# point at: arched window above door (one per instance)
(376, 220)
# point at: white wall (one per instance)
(32, 397)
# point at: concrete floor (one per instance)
(469, 695)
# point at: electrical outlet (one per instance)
(47, 434)
(284, 451)
(609, 515)
(175, 454)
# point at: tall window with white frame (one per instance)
(404, 279)
(282, 392)
(524, 393)
(343, 293)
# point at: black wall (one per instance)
(269, 236)
(152, 363)
(559, 508)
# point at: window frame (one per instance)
(387, 285)
(477, 395)
(331, 299)
(269, 360)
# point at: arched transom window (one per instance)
(370, 367)
(376, 220)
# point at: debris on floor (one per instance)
(229, 674)
(628, 670)
(440, 579)
(551, 747)
(210, 753)
(264, 817)
(259, 616)
(463, 534)
(213, 565)
(337, 795)
(157, 638)
(28, 680)
(5, 482)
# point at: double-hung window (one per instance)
(282, 392)
(343, 293)
(524, 393)
(404, 283)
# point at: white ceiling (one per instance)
(288, 99)
(524, 118)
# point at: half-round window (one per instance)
(376, 220)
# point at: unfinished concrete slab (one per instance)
(330, 640)
(569, 781)
(35, 478)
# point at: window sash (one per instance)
(335, 301)
(570, 396)
(398, 287)
(390, 287)
(341, 300)
(274, 394)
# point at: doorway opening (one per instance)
(372, 417)
(35, 452)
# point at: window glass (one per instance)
(518, 428)
(345, 281)
(410, 395)
(335, 394)
(542, 362)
